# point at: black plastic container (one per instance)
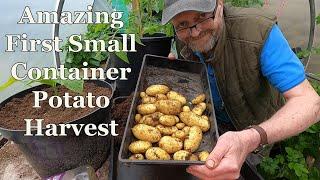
(3, 141)
(54, 155)
(157, 44)
(187, 77)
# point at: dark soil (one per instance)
(13, 113)
(120, 114)
(14, 166)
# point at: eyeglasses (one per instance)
(186, 30)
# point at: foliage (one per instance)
(245, 3)
(94, 59)
(146, 19)
(73, 85)
(297, 155)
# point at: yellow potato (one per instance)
(157, 89)
(139, 146)
(168, 120)
(173, 95)
(192, 119)
(170, 144)
(166, 130)
(143, 94)
(179, 134)
(203, 155)
(161, 97)
(146, 109)
(169, 107)
(193, 140)
(200, 98)
(136, 157)
(180, 125)
(199, 108)
(137, 118)
(183, 155)
(151, 119)
(186, 129)
(156, 153)
(148, 100)
(146, 133)
(205, 117)
(186, 108)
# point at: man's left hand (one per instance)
(226, 159)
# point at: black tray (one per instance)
(187, 77)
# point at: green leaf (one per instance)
(138, 40)
(123, 56)
(318, 19)
(7, 84)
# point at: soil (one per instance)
(12, 114)
(120, 113)
(14, 166)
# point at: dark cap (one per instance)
(174, 7)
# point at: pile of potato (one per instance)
(166, 127)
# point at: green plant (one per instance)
(145, 18)
(298, 156)
(94, 59)
(73, 85)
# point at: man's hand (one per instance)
(226, 159)
(171, 56)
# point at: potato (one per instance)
(143, 94)
(146, 133)
(166, 130)
(139, 146)
(170, 144)
(136, 157)
(200, 98)
(205, 117)
(199, 108)
(169, 107)
(161, 97)
(192, 119)
(168, 120)
(203, 155)
(179, 134)
(186, 129)
(180, 125)
(156, 153)
(137, 118)
(194, 158)
(173, 95)
(193, 140)
(186, 108)
(146, 109)
(157, 89)
(151, 119)
(183, 155)
(148, 100)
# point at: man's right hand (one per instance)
(171, 56)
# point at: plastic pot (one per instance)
(54, 155)
(158, 44)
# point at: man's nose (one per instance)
(194, 32)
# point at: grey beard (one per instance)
(210, 44)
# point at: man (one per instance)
(255, 79)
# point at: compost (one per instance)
(13, 113)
